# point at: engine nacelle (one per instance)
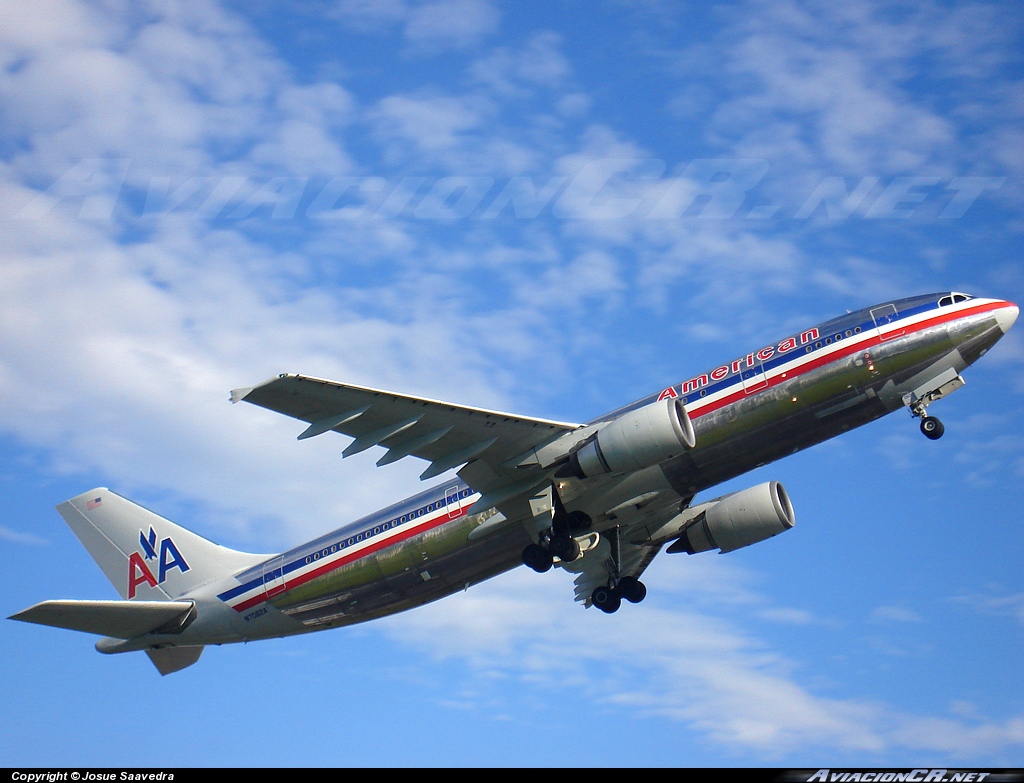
(636, 440)
(735, 521)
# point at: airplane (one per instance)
(599, 500)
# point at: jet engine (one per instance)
(734, 521)
(635, 440)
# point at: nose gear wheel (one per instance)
(932, 427)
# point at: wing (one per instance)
(447, 435)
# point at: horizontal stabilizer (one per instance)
(168, 660)
(120, 619)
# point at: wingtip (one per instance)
(237, 395)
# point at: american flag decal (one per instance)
(90, 505)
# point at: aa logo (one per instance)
(166, 557)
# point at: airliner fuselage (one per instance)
(575, 506)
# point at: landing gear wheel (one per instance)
(537, 558)
(564, 548)
(606, 599)
(632, 589)
(932, 427)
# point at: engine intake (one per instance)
(634, 441)
(737, 520)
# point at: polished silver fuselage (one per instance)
(779, 399)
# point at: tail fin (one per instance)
(145, 556)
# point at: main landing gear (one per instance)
(540, 557)
(559, 540)
(608, 599)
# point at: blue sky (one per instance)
(549, 209)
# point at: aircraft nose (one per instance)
(1006, 316)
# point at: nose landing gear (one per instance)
(942, 384)
(932, 427)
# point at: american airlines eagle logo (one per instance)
(166, 556)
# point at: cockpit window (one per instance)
(945, 301)
(960, 298)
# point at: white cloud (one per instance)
(21, 538)
(428, 26)
(175, 96)
(450, 23)
(461, 134)
(431, 124)
(368, 15)
(788, 616)
(996, 602)
(681, 661)
(120, 359)
(122, 337)
(857, 89)
(895, 614)
(512, 72)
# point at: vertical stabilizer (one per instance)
(145, 556)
